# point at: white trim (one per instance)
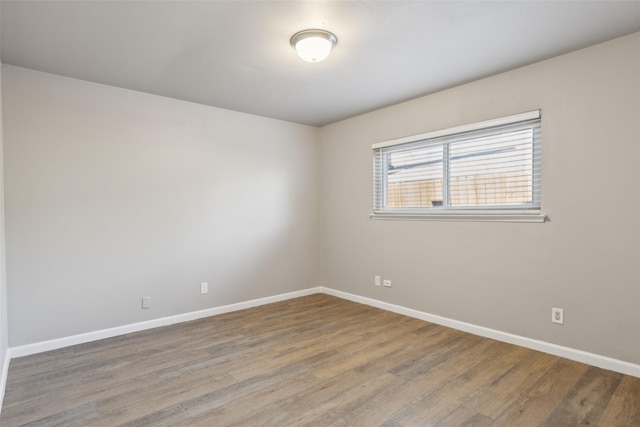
(529, 115)
(600, 361)
(39, 347)
(3, 376)
(460, 217)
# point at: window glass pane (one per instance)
(414, 177)
(492, 166)
(493, 170)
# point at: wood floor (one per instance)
(316, 361)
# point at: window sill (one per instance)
(469, 217)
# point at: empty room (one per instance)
(319, 213)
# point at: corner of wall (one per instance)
(4, 346)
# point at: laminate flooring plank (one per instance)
(464, 416)
(624, 406)
(274, 360)
(355, 354)
(145, 401)
(47, 384)
(259, 405)
(442, 401)
(271, 416)
(324, 391)
(361, 413)
(369, 351)
(125, 392)
(538, 401)
(88, 388)
(585, 403)
(343, 398)
(395, 399)
(445, 349)
(69, 416)
(340, 422)
(211, 401)
(170, 417)
(493, 398)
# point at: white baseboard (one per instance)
(600, 361)
(557, 350)
(39, 347)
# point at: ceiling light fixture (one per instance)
(313, 45)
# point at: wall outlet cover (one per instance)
(146, 302)
(557, 315)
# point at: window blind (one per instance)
(486, 166)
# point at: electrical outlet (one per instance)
(204, 288)
(146, 302)
(557, 315)
(376, 280)
(387, 283)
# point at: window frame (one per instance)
(504, 213)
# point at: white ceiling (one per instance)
(236, 54)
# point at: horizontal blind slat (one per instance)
(496, 167)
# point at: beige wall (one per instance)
(500, 275)
(112, 195)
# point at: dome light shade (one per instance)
(313, 45)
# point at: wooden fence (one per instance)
(478, 190)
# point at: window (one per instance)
(483, 171)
